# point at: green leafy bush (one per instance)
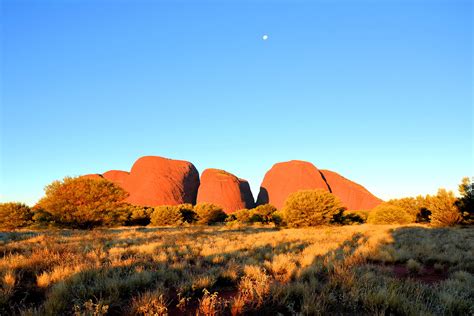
(241, 216)
(262, 214)
(443, 209)
(14, 215)
(389, 214)
(166, 215)
(139, 215)
(416, 207)
(83, 202)
(172, 215)
(311, 208)
(208, 213)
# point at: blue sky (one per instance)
(379, 91)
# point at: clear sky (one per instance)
(379, 91)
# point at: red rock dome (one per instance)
(118, 177)
(352, 195)
(224, 189)
(285, 178)
(158, 181)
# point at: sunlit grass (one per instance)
(225, 270)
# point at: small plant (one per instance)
(89, 308)
(413, 266)
(150, 304)
(211, 304)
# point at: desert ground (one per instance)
(222, 270)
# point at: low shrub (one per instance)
(352, 217)
(166, 215)
(389, 214)
(311, 208)
(208, 213)
(262, 214)
(15, 215)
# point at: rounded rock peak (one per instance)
(287, 177)
(224, 189)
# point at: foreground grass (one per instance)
(363, 269)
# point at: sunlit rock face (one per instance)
(224, 189)
(285, 178)
(117, 176)
(160, 181)
(352, 195)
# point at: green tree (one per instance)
(387, 213)
(443, 209)
(311, 208)
(416, 207)
(208, 213)
(465, 203)
(15, 215)
(82, 202)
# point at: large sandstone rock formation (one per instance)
(288, 177)
(353, 195)
(285, 178)
(118, 177)
(224, 189)
(158, 181)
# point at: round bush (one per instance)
(389, 214)
(262, 214)
(166, 215)
(208, 213)
(14, 215)
(310, 208)
(83, 202)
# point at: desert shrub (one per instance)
(416, 207)
(241, 216)
(465, 203)
(188, 213)
(82, 202)
(389, 214)
(311, 208)
(262, 214)
(14, 215)
(351, 217)
(139, 215)
(166, 215)
(443, 209)
(208, 213)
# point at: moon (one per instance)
(265, 37)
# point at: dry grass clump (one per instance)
(248, 270)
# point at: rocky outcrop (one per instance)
(160, 181)
(285, 178)
(353, 196)
(224, 189)
(118, 177)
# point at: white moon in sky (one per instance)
(265, 37)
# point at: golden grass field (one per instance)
(363, 269)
